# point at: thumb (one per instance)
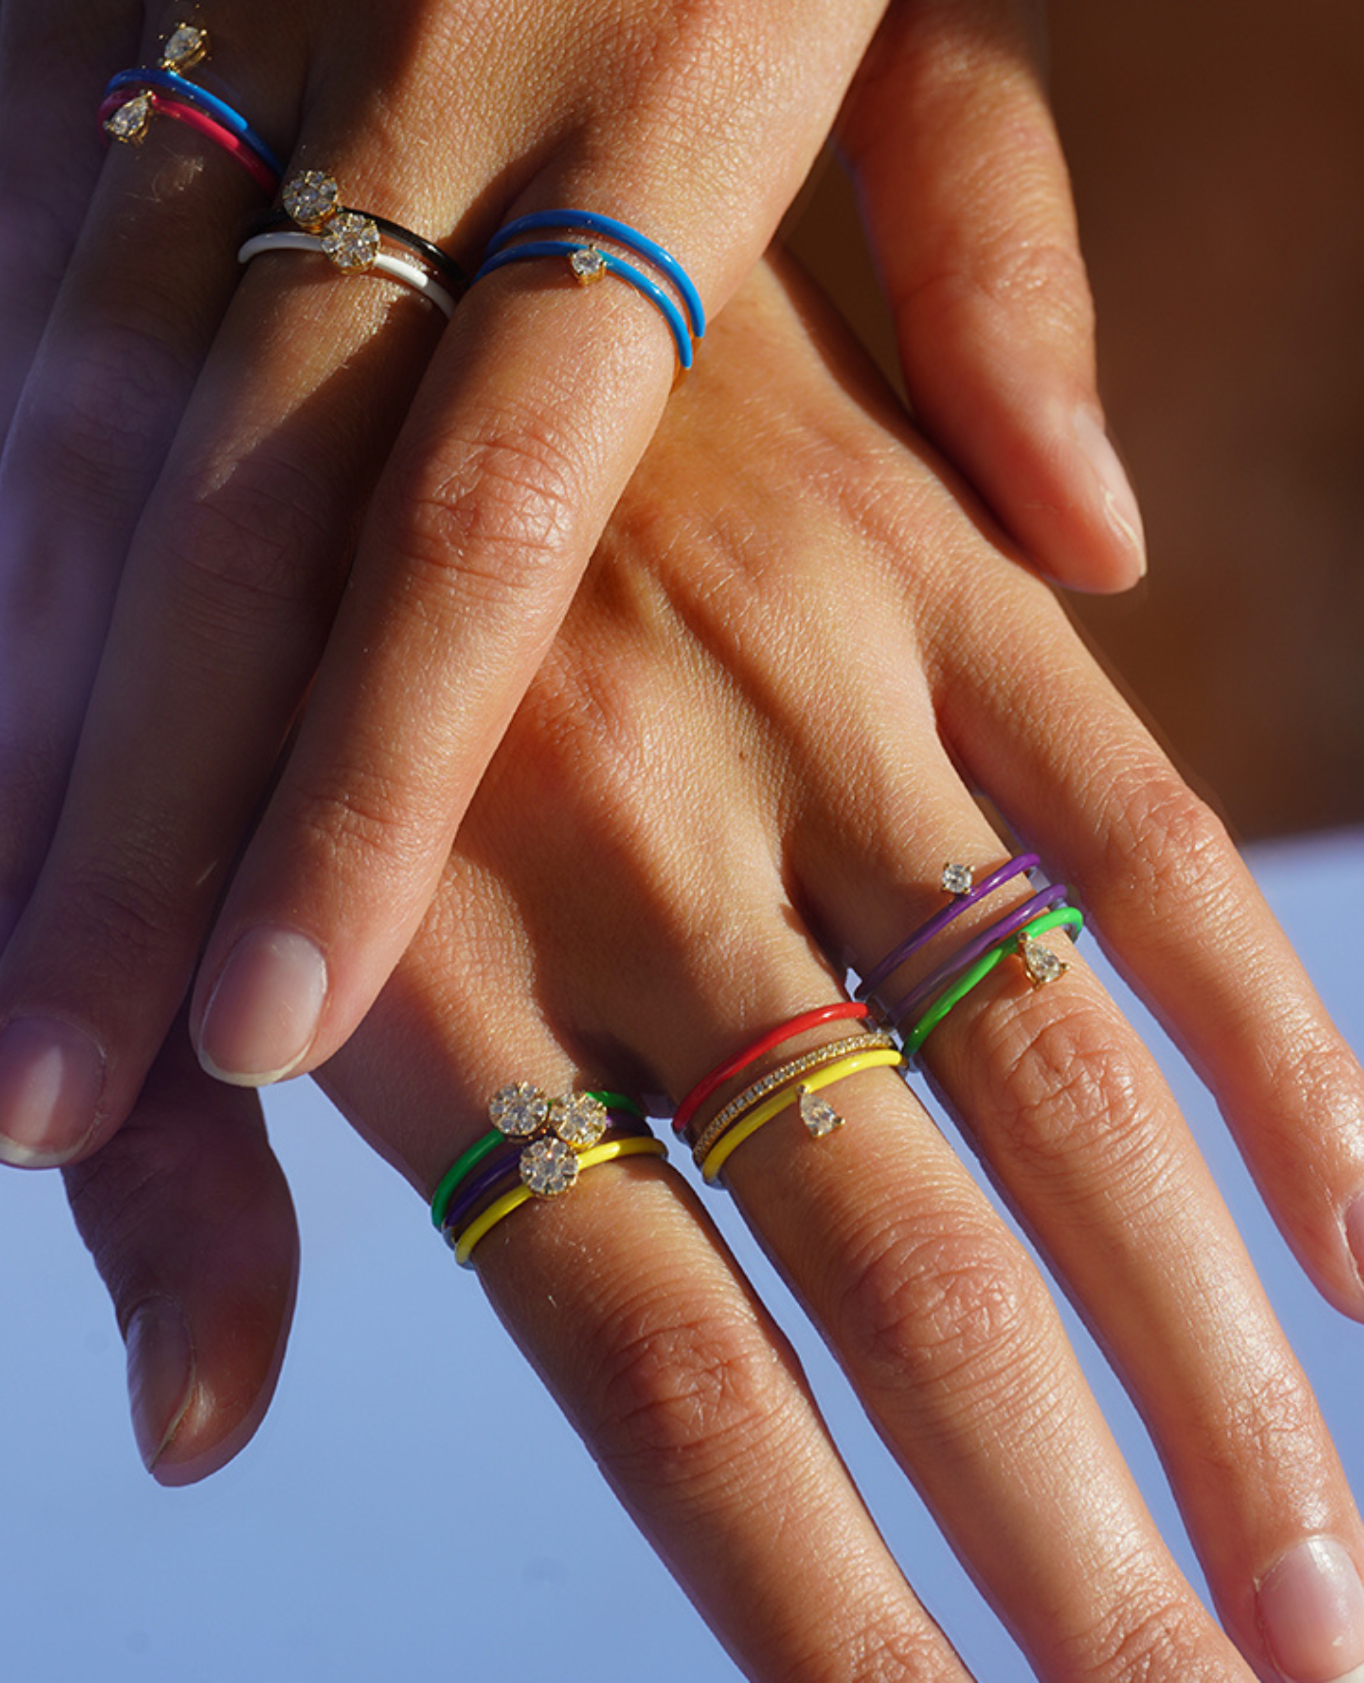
(188, 1216)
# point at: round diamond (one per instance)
(130, 121)
(588, 265)
(310, 198)
(1041, 963)
(351, 241)
(548, 1167)
(519, 1110)
(818, 1115)
(578, 1119)
(957, 879)
(185, 46)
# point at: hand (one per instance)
(189, 468)
(754, 742)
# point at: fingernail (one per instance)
(1311, 1607)
(51, 1079)
(263, 1015)
(1354, 1232)
(1115, 489)
(160, 1375)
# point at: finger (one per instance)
(1081, 1132)
(351, 847)
(190, 1223)
(936, 1313)
(624, 1301)
(222, 615)
(1185, 922)
(52, 63)
(969, 209)
(148, 280)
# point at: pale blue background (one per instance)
(414, 1506)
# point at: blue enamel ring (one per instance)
(152, 76)
(590, 262)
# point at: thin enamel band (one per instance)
(1000, 930)
(783, 1076)
(439, 260)
(411, 274)
(751, 1053)
(479, 1187)
(183, 112)
(1066, 915)
(636, 1147)
(886, 1058)
(677, 326)
(470, 1159)
(926, 931)
(150, 76)
(622, 234)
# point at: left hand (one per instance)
(756, 739)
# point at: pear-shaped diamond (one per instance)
(186, 46)
(129, 122)
(1041, 963)
(818, 1115)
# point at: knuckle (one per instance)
(680, 1399)
(955, 1305)
(1079, 1094)
(250, 544)
(497, 509)
(100, 412)
(1169, 853)
(1145, 1638)
(126, 903)
(370, 823)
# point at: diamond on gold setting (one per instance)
(129, 122)
(957, 879)
(578, 1119)
(1041, 963)
(818, 1115)
(588, 265)
(186, 46)
(310, 197)
(351, 241)
(518, 1110)
(548, 1167)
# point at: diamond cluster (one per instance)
(310, 197)
(556, 1129)
(351, 241)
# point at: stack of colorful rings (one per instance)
(590, 260)
(537, 1147)
(134, 97)
(799, 1082)
(356, 242)
(1018, 931)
